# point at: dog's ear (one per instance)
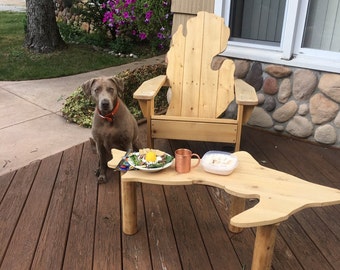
(120, 85)
(86, 86)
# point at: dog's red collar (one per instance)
(110, 116)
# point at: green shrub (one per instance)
(79, 109)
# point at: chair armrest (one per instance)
(245, 93)
(149, 89)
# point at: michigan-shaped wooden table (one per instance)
(280, 195)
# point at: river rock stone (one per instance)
(325, 134)
(279, 128)
(285, 112)
(231, 111)
(300, 127)
(322, 109)
(261, 98)
(329, 84)
(278, 71)
(304, 84)
(337, 120)
(303, 109)
(285, 91)
(254, 76)
(260, 118)
(269, 104)
(270, 86)
(241, 68)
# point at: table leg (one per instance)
(129, 207)
(237, 205)
(264, 247)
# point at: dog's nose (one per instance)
(105, 104)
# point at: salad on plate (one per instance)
(150, 159)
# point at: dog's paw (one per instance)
(102, 179)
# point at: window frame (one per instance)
(289, 52)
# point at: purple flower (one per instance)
(148, 14)
(160, 35)
(142, 35)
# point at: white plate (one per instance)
(144, 168)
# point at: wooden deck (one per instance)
(53, 215)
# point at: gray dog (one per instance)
(113, 125)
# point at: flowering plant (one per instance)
(139, 20)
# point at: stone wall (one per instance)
(299, 102)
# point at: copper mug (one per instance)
(183, 160)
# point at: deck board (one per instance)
(107, 245)
(81, 232)
(55, 216)
(161, 236)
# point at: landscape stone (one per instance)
(303, 109)
(254, 76)
(217, 62)
(270, 86)
(269, 104)
(300, 127)
(231, 111)
(325, 134)
(260, 118)
(337, 120)
(322, 109)
(241, 68)
(279, 128)
(304, 84)
(261, 98)
(285, 90)
(278, 71)
(285, 112)
(329, 84)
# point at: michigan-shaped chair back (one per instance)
(197, 89)
(200, 93)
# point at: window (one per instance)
(322, 28)
(260, 21)
(301, 33)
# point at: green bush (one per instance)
(72, 33)
(79, 108)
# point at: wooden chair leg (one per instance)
(264, 247)
(237, 205)
(129, 207)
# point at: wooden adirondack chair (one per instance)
(199, 93)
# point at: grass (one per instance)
(18, 63)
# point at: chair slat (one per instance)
(193, 66)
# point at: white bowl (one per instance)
(219, 162)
